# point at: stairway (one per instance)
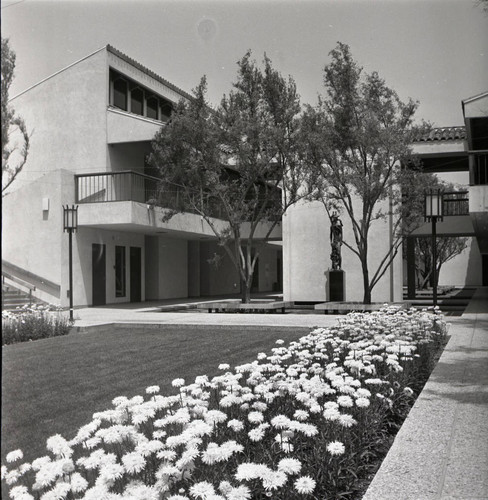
(12, 298)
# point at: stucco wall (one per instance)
(464, 269)
(172, 269)
(306, 257)
(66, 116)
(128, 156)
(31, 236)
(219, 280)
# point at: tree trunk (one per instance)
(246, 291)
(367, 290)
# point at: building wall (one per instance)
(66, 117)
(31, 236)
(464, 269)
(217, 280)
(166, 267)
(82, 263)
(128, 156)
(306, 257)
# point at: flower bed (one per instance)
(305, 421)
(32, 323)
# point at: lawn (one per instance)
(55, 385)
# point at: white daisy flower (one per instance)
(336, 448)
(305, 485)
(13, 456)
(289, 465)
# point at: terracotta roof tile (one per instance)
(444, 134)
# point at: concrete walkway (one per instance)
(441, 451)
(145, 314)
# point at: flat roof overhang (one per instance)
(135, 217)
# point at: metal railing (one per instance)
(115, 186)
(456, 203)
(128, 185)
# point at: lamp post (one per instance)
(70, 224)
(434, 201)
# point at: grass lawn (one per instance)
(53, 386)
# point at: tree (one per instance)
(357, 138)
(238, 163)
(447, 248)
(15, 138)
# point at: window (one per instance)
(166, 110)
(128, 95)
(120, 288)
(120, 94)
(152, 107)
(137, 101)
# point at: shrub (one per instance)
(303, 421)
(32, 323)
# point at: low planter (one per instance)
(336, 307)
(252, 307)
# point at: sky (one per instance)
(433, 51)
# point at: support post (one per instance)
(70, 274)
(434, 261)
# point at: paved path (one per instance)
(441, 451)
(141, 314)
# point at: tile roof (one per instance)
(444, 134)
(142, 68)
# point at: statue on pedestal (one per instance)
(335, 241)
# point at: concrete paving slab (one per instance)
(441, 451)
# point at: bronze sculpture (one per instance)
(335, 241)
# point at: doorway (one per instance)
(484, 267)
(135, 274)
(98, 275)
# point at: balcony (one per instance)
(456, 203)
(115, 186)
(457, 220)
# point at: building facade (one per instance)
(91, 126)
(91, 129)
(459, 155)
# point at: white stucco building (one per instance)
(91, 128)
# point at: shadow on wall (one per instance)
(473, 269)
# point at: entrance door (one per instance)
(98, 275)
(135, 274)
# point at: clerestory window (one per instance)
(120, 94)
(137, 101)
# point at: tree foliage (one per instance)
(238, 163)
(15, 138)
(357, 138)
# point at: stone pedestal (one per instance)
(336, 285)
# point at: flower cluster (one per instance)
(298, 422)
(33, 322)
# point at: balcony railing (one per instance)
(129, 186)
(115, 186)
(132, 186)
(456, 203)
